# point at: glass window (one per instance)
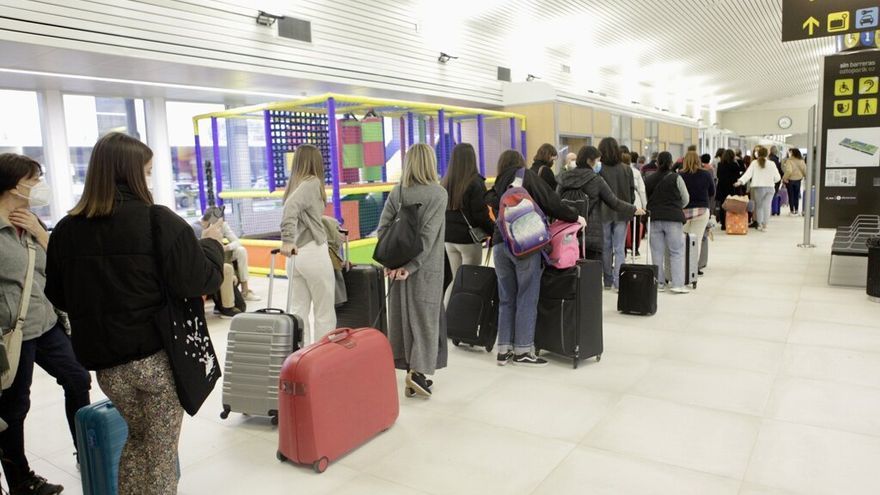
(183, 155)
(90, 117)
(20, 132)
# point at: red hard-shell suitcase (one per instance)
(335, 395)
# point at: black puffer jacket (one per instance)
(595, 187)
(548, 200)
(105, 273)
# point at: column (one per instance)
(157, 140)
(56, 152)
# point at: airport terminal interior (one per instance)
(746, 363)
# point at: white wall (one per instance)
(761, 122)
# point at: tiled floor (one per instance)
(763, 381)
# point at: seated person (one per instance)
(234, 251)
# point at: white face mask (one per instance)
(39, 196)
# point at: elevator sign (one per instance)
(807, 19)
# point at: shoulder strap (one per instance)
(28, 284)
(519, 179)
(465, 219)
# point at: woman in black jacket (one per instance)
(729, 172)
(519, 278)
(113, 263)
(465, 210)
(584, 181)
(543, 164)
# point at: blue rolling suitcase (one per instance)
(101, 434)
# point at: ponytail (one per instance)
(762, 161)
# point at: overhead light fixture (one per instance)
(531, 77)
(445, 57)
(267, 19)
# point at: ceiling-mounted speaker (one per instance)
(566, 69)
(295, 29)
(504, 74)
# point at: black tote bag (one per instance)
(184, 332)
(400, 241)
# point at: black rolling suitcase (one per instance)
(638, 285)
(365, 285)
(472, 312)
(570, 312)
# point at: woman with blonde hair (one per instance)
(304, 242)
(701, 188)
(763, 179)
(416, 321)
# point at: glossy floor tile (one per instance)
(764, 381)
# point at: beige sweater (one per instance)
(301, 221)
(794, 169)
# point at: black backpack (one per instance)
(577, 199)
(400, 241)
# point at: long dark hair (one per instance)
(761, 152)
(796, 153)
(610, 151)
(510, 159)
(462, 172)
(117, 160)
(664, 161)
(728, 156)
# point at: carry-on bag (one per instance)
(691, 262)
(336, 395)
(570, 311)
(472, 312)
(776, 205)
(637, 293)
(365, 287)
(736, 223)
(704, 252)
(101, 434)
(257, 345)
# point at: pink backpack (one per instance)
(565, 251)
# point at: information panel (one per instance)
(850, 162)
(806, 19)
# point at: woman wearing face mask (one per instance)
(114, 264)
(45, 341)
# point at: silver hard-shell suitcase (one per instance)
(691, 262)
(256, 348)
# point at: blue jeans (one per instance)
(614, 253)
(668, 236)
(53, 352)
(519, 285)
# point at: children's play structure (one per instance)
(363, 141)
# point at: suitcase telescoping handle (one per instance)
(636, 222)
(269, 309)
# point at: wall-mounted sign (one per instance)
(806, 19)
(850, 161)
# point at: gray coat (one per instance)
(416, 318)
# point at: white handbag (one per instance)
(10, 354)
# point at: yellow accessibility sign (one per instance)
(844, 87)
(869, 85)
(868, 106)
(843, 108)
(838, 21)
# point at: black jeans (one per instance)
(794, 195)
(53, 352)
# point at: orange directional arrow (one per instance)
(811, 24)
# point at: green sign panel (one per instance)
(806, 19)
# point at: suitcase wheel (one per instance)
(321, 465)
(281, 457)
(489, 347)
(695, 285)
(575, 363)
(456, 342)
(274, 419)
(598, 358)
(225, 413)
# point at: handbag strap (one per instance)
(28, 284)
(465, 219)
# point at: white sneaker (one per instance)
(251, 296)
(680, 290)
